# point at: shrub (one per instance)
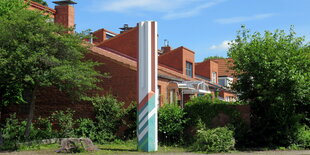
(201, 110)
(171, 122)
(43, 128)
(12, 132)
(85, 128)
(214, 140)
(64, 123)
(130, 122)
(273, 125)
(109, 117)
(303, 137)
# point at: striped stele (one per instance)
(147, 87)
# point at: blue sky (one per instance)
(204, 26)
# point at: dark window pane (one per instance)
(189, 69)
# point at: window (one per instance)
(189, 69)
(159, 94)
(109, 36)
(172, 96)
(225, 81)
(214, 77)
(222, 82)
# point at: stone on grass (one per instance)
(76, 144)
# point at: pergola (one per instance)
(190, 87)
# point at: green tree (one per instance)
(213, 57)
(10, 6)
(273, 71)
(41, 2)
(35, 53)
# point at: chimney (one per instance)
(125, 28)
(165, 48)
(91, 39)
(65, 13)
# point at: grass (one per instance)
(118, 147)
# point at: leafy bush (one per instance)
(202, 110)
(130, 122)
(64, 123)
(85, 128)
(303, 137)
(13, 132)
(43, 128)
(171, 122)
(273, 125)
(109, 117)
(214, 140)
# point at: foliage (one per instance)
(10, 6)
(171, 122)
(130, 122)
(273, 71)
(109, 116)
(64, 123)
(203, 109)
(35, 53)
(43, 128)
(41, 2)
(303, 137)
(214, 140)
(86, 128)
(213, 57)
(12, 132)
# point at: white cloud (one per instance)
(223, 46)
(243, 18)
(171, 9)
(192, 11)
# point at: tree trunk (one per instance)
(31, 101)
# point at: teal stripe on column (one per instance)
(147, 142)
(151, 137)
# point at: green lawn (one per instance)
(128, 147)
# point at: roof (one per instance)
(117, 36)
(176, 50)
(163, 71)
(131, 63)
(42, 7)
(224, 66)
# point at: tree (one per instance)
(41, 2)
(10, 6)
(35, 53)
(273, 71)
(213, 57)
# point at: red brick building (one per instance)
(178, 72)
(179, 76)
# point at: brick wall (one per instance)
(126, 43)
(122, 82)
(177, 59)
(225, 94)
(65, 15)
(225, 66)
(206, 68)
(188, 56)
